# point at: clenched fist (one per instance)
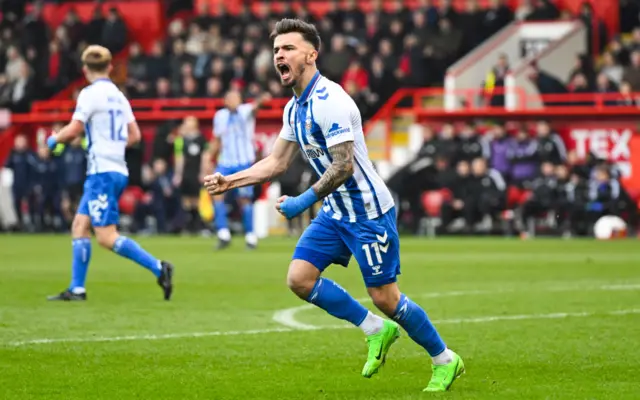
(216, 184)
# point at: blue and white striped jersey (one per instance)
(236, 131)
(105, 113)
(322, 117)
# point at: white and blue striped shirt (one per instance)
(105, 113)
(322, 117)
(235, 130)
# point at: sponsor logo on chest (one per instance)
(313, 152)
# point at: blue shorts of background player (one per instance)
(247, 191)
(245, 198)
(374, 244)
(98, 207)
(100, 198)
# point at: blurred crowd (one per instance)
(370, 54)
(615, 73)
(518, 176)
(37, 62)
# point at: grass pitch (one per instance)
(532, 319)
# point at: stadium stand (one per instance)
(484, 116)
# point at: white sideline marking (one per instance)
(287, 316)
(330, 327)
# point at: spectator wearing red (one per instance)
(357, 74)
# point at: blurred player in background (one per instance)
(358, 215)
(233, 150)
(191, 151)
(105, 115)
(21, 162)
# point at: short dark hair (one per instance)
(308, 31)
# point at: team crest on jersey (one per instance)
(307, 125)
(313, 152)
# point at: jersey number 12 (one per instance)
(116, 131)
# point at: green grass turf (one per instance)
(590, 356)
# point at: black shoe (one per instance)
(251, 246)
(165, 281)
(223, 244)
(68, 295)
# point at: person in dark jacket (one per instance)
(46, 191)
(470, 144)
(577, 191)
(546, 83)
(114, 32)
(21, 162)
(551, 148)
(494, 82)
(461, 196)
(544, 197)
(489, 192)
(447, 144)
(73, 162)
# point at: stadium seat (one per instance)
(129, 199)
(432, 204)
(432, 201)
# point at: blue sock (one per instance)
(415, 321)
(247, 218)
(332, 298)
(220, 217)
(80, 264)
(128, 248)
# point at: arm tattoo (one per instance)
(338, 172)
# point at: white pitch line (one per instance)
(287, 316)
(148, 337)
(475, 320)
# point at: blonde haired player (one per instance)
(106, 117)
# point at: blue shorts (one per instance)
(100, 198)
(246, 191)
(374, 243)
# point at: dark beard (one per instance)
(289, 85)
(294, 82)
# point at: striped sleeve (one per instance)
(287, 132)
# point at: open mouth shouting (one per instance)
(284, 70)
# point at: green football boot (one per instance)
(444, 375)
(379, 345)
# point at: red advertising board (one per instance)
(618, 142)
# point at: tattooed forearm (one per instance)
(340, 170)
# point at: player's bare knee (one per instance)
(302, 277)
(385, 298)
(81, 227)
(106, 237)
